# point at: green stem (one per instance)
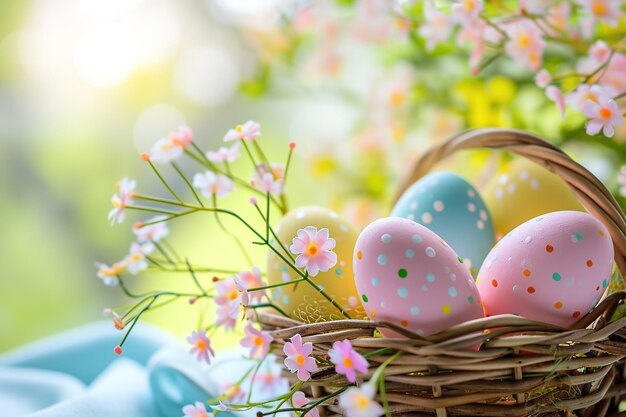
(184, 177)
(269, 305)
(156, 171)
(195, 279)
(164, 253)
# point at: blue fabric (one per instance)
(76, 374)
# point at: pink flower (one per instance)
(172, 147)
(232, 393)
(298, 358)
(227, 292)
(250, 130)
(621, 180)
(270, 381)
(604, 116)
(347, 361)
(124, 197)
(210, 184)
(613, 79)
(196, 411)
(257, 341)
(227, 315)
(474, 32)
(268, 184)
(252, 279)
(466, 11)
(224, 154)
(201, 345)
(152, 232)
(525, 44)
(584, 93)
(299, 400)
(543, 78)
(598, 53)
(556, 95)
(608, 11)
(314, 250)
(534, 6)
(437, 27)
(359, 402)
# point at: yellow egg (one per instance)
(301, 301)
(523, 191)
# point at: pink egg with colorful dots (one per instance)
(406, 274)
(553, 268)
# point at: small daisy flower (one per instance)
(475, 33)
(201, 345)
(525, 45)
(136, 259)
(298, 357)
(197, 410)
(152, 232)
(225, 154)
(109, 274)
(314, 250)
(299, 400)
(621, 179)
(604, 116)
(437, 27)
(271, 380)
(252, 279)
(584, 92)
(269, 179)
(182, 137)
(556, 95)
(347, 361)
(227, 315)
(608, 11)
(124, 197)
(467, 11)
(210, 184)
(250, 130)
(598, 53)
(543, 78)
(257, 341)
(359, 402)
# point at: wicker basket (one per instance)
(524, 368)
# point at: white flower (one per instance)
(210, 184)
(224, 154)
(152, 232)
(123, 198)
(437, 26)
(250, 130)
(172, 147)
(585, 92)
(109, 274)
(359, 402)
(268, 184)
(543, 78)
(136, 259)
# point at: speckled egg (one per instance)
(451, 207)
(553, 268)
(408, 275)
(301, 301)
(524, 191)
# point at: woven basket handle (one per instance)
(590, 191)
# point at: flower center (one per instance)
(233, 295)
(470, 5)
(239, 128)
(605, 113)
(347, 362)
(591, 96)
(201, 344)
(598, 8)
(258, 340)
(362, 402)
(300, 359)
(136, 257)
(397, 98)
(312, 249)
(523, 41)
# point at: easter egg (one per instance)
(524, 191)
(553, 268)
(406, 274)
(452, 208)
(301, 301)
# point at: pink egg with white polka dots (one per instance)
(553, 268)
(406, 274)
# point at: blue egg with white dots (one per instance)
(451, 207)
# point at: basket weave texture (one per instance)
(524, 367)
